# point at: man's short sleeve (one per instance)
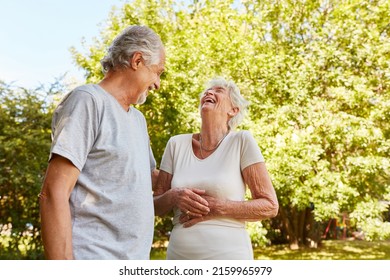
(74, 127)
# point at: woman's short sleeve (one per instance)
(167, 158)
(250, 151)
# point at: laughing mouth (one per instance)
(209, 100)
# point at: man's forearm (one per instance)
(56, 228)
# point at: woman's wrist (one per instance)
(173, 197)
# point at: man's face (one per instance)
(151, 78)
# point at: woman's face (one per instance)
(216, 99)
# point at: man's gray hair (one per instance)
(133, 39)
(235, 96)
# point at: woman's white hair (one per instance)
(235, 96)
(133, 39)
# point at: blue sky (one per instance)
(35, 37)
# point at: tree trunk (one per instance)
(300, 228)
(289, 228)
(312, 230)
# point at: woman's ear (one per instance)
(233, 112)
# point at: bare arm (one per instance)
(165, 198)
(61, 176)
(263, 205)
(264, 200)
(155, 173)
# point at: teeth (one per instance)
(209, 100)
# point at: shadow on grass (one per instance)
(330, 250)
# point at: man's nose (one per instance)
(157, 84)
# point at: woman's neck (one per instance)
(211, 134)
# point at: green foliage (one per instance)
(324, 139)
(25, 117)
(368, 217)
(257, 234)
(317, 76)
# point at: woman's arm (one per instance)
(165, 198)
(264, 200)
(263, 205)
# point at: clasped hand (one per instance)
(195, 206)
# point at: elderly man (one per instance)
(96, 200)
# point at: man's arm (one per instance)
(60, 179)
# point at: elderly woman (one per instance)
(203, 179)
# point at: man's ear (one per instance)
(135, 60)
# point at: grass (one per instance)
(330, 250)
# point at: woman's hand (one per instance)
(216, 209)
(190, 201)
(189, 221)
(187, 200)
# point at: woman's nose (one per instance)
(210, 91)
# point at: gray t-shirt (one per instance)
(112, 203)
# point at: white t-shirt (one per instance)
(112, 203)
(219, 174)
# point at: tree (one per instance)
(25, 117)
(325, 120)
(316, 73)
